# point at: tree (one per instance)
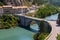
(1, 4)
(45, 11)
(8, 21)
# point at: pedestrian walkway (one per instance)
(55, 30)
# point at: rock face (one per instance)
(13, 2)
(20, 2)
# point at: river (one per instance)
(20, 33)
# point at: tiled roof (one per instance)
(7, 6)
(0, 6)
(20, 7)
(14, 7)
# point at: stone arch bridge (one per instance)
(25, 21)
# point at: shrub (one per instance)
(35, 37)
(45, 11)
(58, 37)
(41, 36)
(7, 21)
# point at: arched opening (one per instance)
(34, 26)
(44, 27)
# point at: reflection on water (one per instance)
(16, 34)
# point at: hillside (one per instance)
(30, 2)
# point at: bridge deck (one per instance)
(55, 30)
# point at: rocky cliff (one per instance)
(12, 2)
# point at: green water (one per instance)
(16, 34)
(20, 33)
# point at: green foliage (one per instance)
(58, 37)
(41, 36)
(7, 21)
(35, 37)
(43, 32)
(26, 3)
(1, 4)
(45, 11)
(30, 14)
(34, 2)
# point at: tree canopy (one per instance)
(45, 11)
(7, 21)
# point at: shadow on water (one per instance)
(29, 29)
(47, 26)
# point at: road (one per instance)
(55, 30)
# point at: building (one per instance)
(20, 9)
(14, 9)
(1, 10)
(7, 9)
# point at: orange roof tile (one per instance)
(20, 7)
(7, 6)
(0, 6)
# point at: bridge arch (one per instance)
(39, 25)
(34, 26)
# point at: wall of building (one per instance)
(1, 11)
(13, 9)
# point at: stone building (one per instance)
(14, 9)
(20, 9)
(7, 9)
(1, 10)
